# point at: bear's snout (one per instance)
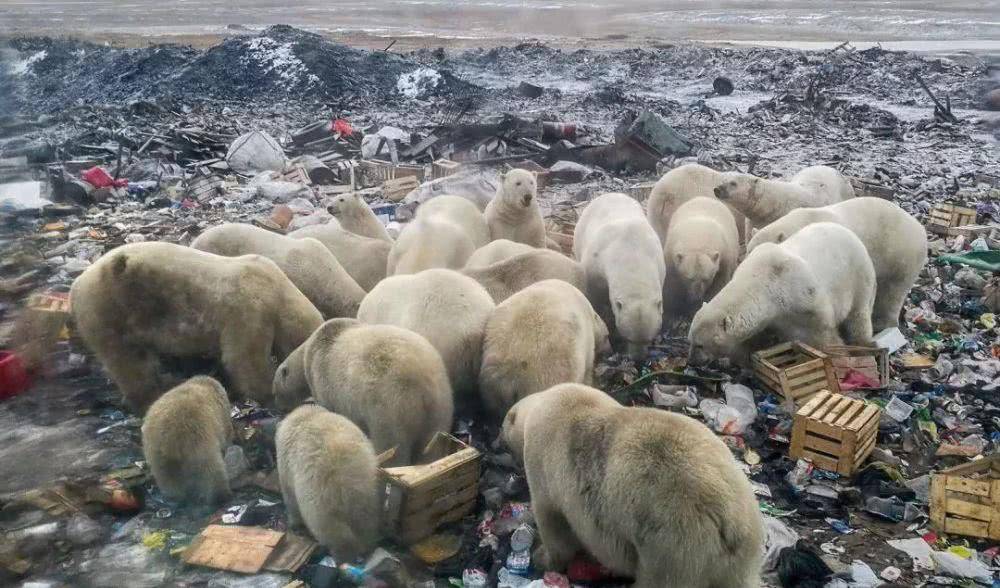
(526, 200)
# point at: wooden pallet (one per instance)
(443, 168)
(950, 214)
(871, 361)
(965, 500)
(794, 371)
(421, 498)
(381, 171)
(835, 432)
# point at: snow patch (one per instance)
(22, 67)
(278, 58)
(418, 82)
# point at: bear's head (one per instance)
(697, 270)
(709, 337)
(290, 387)
(342, 203)
(737, 187)
(519, 188)
(638, 317)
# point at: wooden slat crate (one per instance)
(870, 361)
(381, 171)
(297, 174)
(965, 500)
(835, 432)
(868, 189)
(794, 371)
(443, 168)
(420, 498)
(947, 215)
(968, 231)
(398, 188)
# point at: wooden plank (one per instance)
(825, 430)
(937, 501)
(837, 409)
(419, 502)
(815, 375)
(870, 411)
(969, 510)
(824, 409)
(810, 389)
(966, 527)
(863, 451)
(855, 409)
(967, 486)
(971, 468)
(821, 461)
(823, 445)
(813, 403)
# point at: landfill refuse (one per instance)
(254, 152)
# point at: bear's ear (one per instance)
(715, 256)
(780, 238)
(727, 324)
(511, 417)
(678, 258)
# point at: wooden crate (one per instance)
(871, 361)
(949, 214)
(794, 371)
(970, 232)
(420, 498)
(397, 189)
(443, 168)
(381, 171)
(835, 432)
(965, 500)
(868, 189)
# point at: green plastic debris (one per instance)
(984, 260)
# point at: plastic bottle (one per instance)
(519, 560)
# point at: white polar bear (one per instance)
(896, 243)
(765, 201)
(623, 261)
(354, 215)
(701, 254)
(449, 309)
(495, 251)
(650, 494)
(514, 213)
(509, 276)
(818, 287)
(544, 335)
(364, 258)
(389, 381)
(445, 233)
(679, 185)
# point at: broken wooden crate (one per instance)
(835, 432)
(965, 500)
(873, 362)
(380, 171)
(795, 371)
(420, 498)
(945, 217)
(397, 189)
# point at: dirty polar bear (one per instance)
(447, 308)
(817, 287)
(143, 303)
(650, 494)
(895, 241)
(184, 435)
(387, 380)
(494, 251)
(308, 264)
(679, 185)
(509, 276)
(701, 254)
(544, 335)
(364, 258)
(354, 215)
(514, 213)
(765, 201)
(623, 261)
(329, 476)
(444, 234)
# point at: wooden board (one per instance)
(233, 548)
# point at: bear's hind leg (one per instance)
(138, 374)
(857, 327)
(246, 357)
(559, 543)
(888, 302)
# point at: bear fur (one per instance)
(623, 261)
(679, 185)
(184, 435)
(504, 278)
(896, 243)
(364, 258)
(444, 234)
(514, 213)
(765, 201)
(544, 335)
(143, 304)
(818, 287)
(329, 480)
(701, 254)
(649, 494)
(389, 381)
(354, 215)
(495, 251)
(447, 308)
(307, 263)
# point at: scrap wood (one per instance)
(248, 550)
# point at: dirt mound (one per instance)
(280, 64)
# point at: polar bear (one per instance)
(679, 185)
(514, 213)
(354, 215)
(142, 306)
(624, 483)
(495, 251)
(184, 435)
(307, 263)
(503, 278)
(623, 261)
(445, 233)
(364, 258)
(543, 335)
(701, 254)
(818, 286)
(765, 201)
(329, 480)
(447, 308)
(895, 241)
(389, 381)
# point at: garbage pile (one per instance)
(188, 140)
